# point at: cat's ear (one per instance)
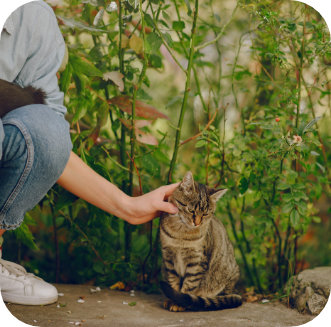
(216, 194)
(187, 185)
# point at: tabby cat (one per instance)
(13, 96)
(199, 268)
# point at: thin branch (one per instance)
(187, 90)
(166, 44)
(220, 34)
(207, 126)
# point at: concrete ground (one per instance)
(107, 308)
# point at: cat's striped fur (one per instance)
(199, 268)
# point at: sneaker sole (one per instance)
(27, 300)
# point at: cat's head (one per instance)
(196, 202)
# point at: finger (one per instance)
(169, 189)
(166, 207)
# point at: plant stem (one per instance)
(248, 271)
(56, 242)
(166, 44)
(128, 238)
(197, 82)
(187, 90)
(300, 68)
(220, 34)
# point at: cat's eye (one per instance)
(205, 214)
(191, 211)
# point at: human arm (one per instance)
(79, 179)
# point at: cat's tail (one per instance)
(218, 302)
(38, 95)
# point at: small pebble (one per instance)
(265, 301)
(124, 302)
(58, 306)
(80, 301)
(98, 289)
(132, 291)
(34, 320)
(60, 294)
(132, 294)
(99, 301)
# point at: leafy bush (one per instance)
(266, 142)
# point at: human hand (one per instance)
(149, 206)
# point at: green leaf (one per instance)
(298, 186)
(80, 82)
(314, 121)
(300, 195)
(65, 79)
(95, 3)
(72, 23)
(287, 197)
(178, 25)
(165, 15)
(65, 200)
(236, 152)
(153, 43)
(63, 305)
(80, 111)
(134, 3)
(168, 39)
(24, 234)
(29, 220)
(156, 61)
(131, 304)
(321, 167)
(149, 20)
(200, 143)
(317, 219)
(188, 6)
(151, 165)
(243, 185)
(84, 67)
(294, 218)
(283, 186)
(292, 175)
(287, 207)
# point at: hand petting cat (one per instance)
(151, 205)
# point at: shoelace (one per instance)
(16, 269)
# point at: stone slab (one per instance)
(148, 312)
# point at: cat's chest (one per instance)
(183, 258)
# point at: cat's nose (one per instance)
(197, 220)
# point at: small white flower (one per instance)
(80, 301)
(132, 294)
(98, 289)
(265, 301)
(124, 302)
(58, 306)
(132, 291)
(112, 6)
(77, 323)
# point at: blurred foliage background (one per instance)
(238, 92)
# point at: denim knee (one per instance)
(36, 149)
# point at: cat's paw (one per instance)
(168, 304)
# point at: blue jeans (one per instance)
(35, 147)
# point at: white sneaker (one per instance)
(18, 286)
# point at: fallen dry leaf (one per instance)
(118, 286)
(82, 297)
(124, 102)
(115, 77)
